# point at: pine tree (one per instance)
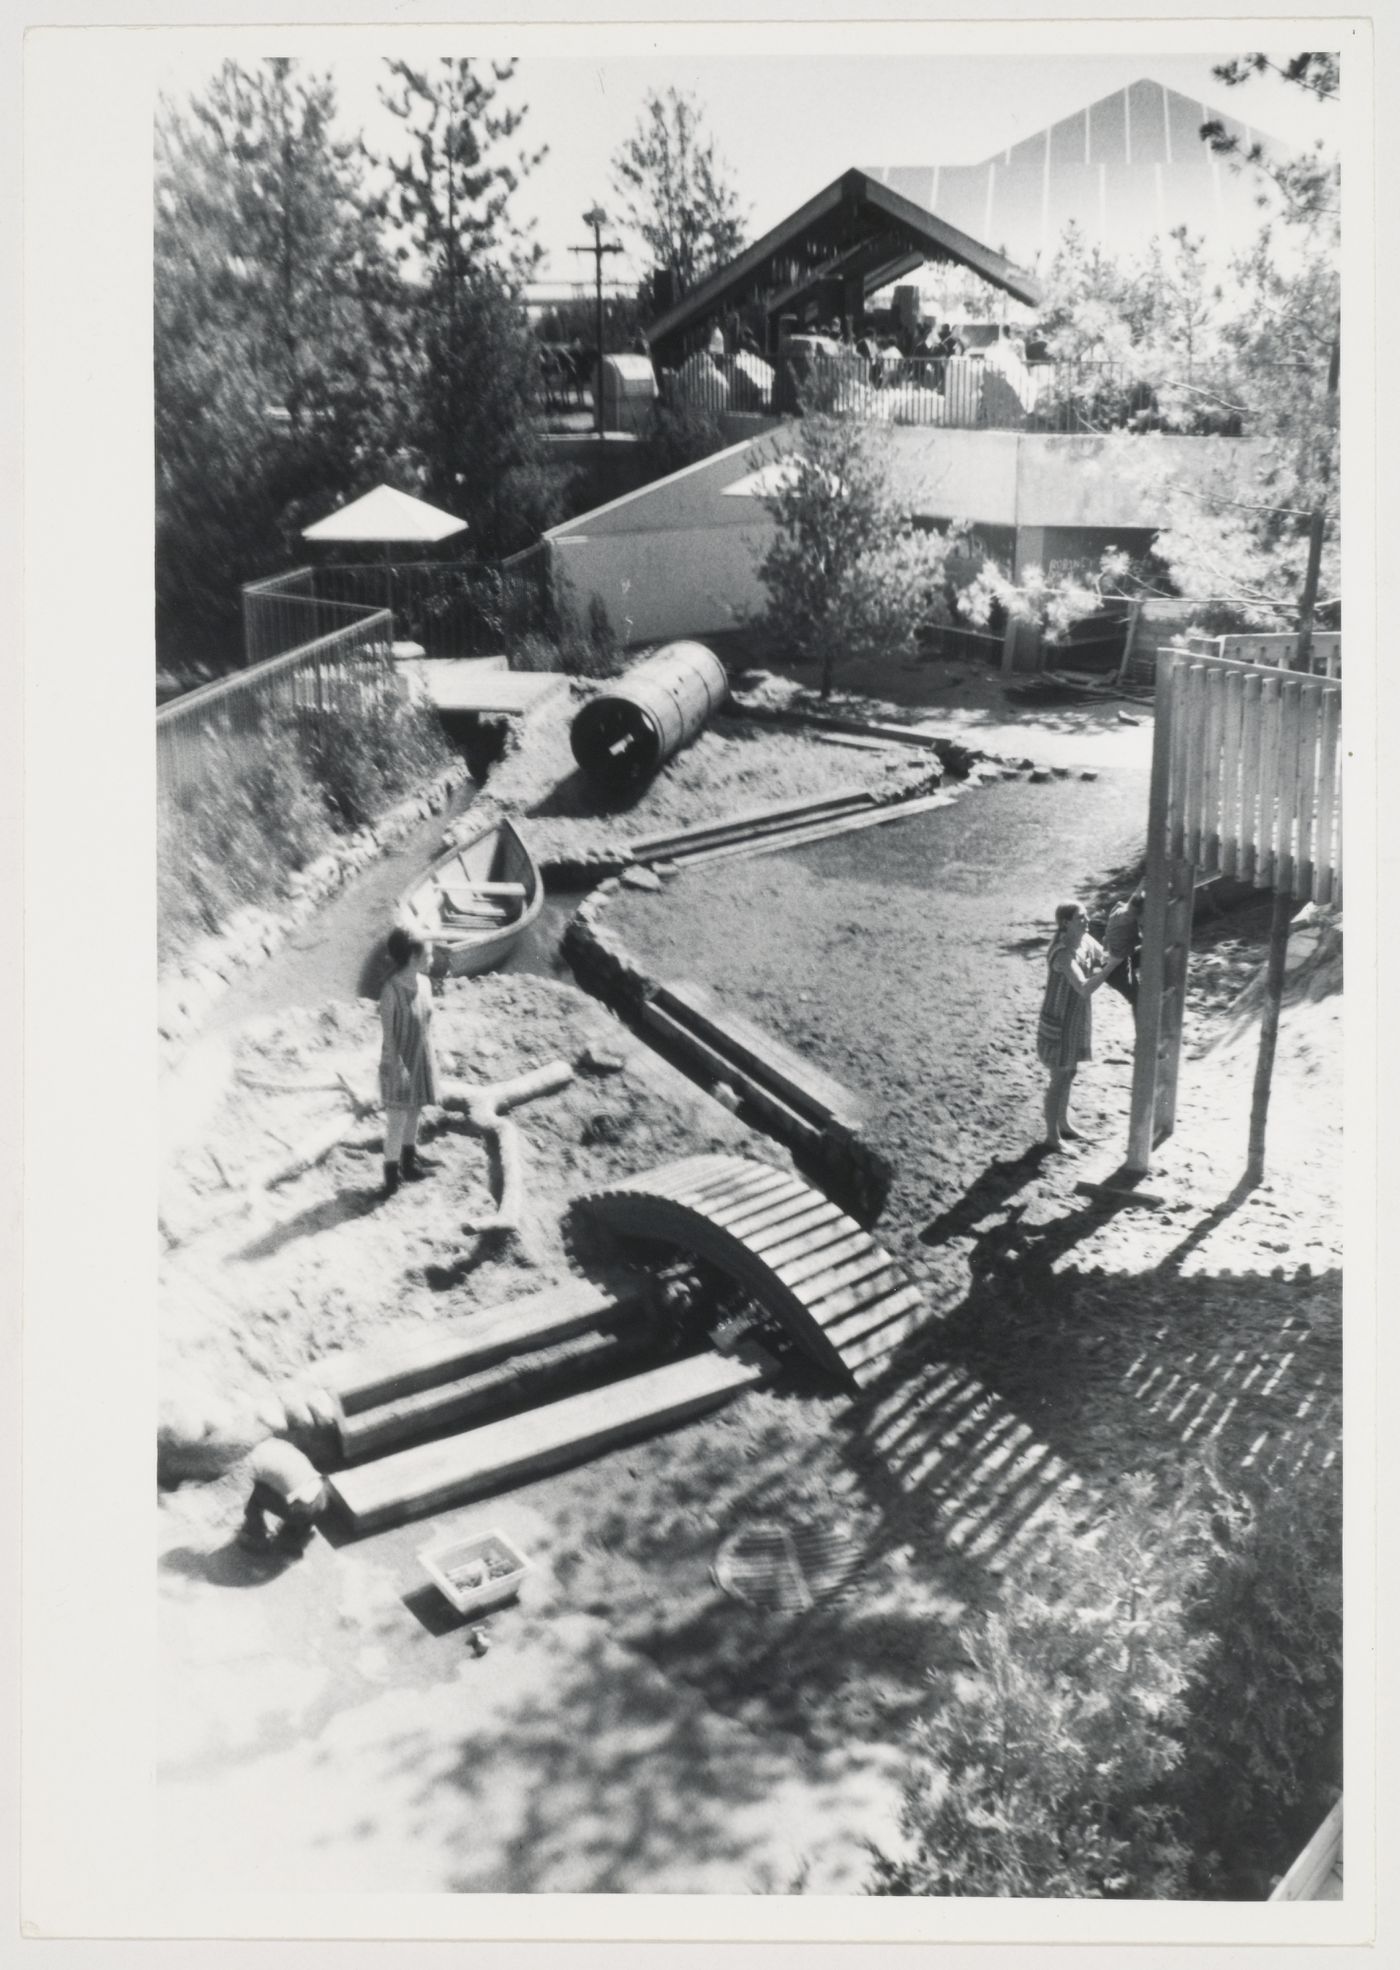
(676, 192)
(276, 354)
(465, 260)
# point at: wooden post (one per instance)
(1151, 972)
(1283, 900)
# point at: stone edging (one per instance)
(852, 1169)
(189, 987)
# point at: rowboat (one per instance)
(476, 901)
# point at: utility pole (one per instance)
(598, 218)
(1277, 964)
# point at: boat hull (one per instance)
(496, 856)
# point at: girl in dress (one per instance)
(1065, 1035)
(408, 1076)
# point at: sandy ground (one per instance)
(632, 1728)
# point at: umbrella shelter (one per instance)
(391, 519)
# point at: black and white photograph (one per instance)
(743, 1169)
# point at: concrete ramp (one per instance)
(841, 1296)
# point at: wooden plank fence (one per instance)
(1275, 649)
(1246, 782)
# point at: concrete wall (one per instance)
(667, 582)
(679, 557)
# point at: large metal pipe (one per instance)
(622, 736)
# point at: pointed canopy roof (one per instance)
(856, 228)
(386, 515)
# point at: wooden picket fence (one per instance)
(1246, 782)
(1276, 649)
(1255, 774)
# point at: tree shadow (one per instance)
(353, 1203)
(622, 1781)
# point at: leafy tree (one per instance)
(1046, 1770)
(1307, 183)
(848, 573)
(476, 373)
(676, 192)
(275, 335)
(575, 321)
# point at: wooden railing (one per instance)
(198, 734)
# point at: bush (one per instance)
(233, 840)
(1262, 1763)
(363, 759)
(1044, 1772)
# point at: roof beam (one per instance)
(864, 197)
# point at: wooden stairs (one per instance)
(841, 1296)
(519, 1355)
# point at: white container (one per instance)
(475, 1571)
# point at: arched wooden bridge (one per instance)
(841, 1295)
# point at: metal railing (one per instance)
(972, 392)
(346, 670)
(447, 608)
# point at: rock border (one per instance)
(189, 987)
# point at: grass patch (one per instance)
(282, 797)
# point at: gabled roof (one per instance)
(1124, 167)
(856, 226)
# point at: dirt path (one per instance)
(633, 1728)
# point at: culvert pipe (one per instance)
(622, 736)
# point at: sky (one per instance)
(787, 125)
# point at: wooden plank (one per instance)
(1270, 717)
(1231, 743)
(1314, 1866)
(1195, 716)
(1310, 710)
(874, 1314)
(1328, 787)
(798, 1273)
(1151, 978)
(1289, 724)
(389, 1370)
(735, 1178)
(1250, 737)
(818, 1293)
(512, 1383)
(1209, 856)
(834, 1305)
(779, 1237)
(723, 1067)
(897, 811)
(1173, 705)
(801, 1247)
(645, 847)
(761, 1217)
(518, 1448)
(794, 1078)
